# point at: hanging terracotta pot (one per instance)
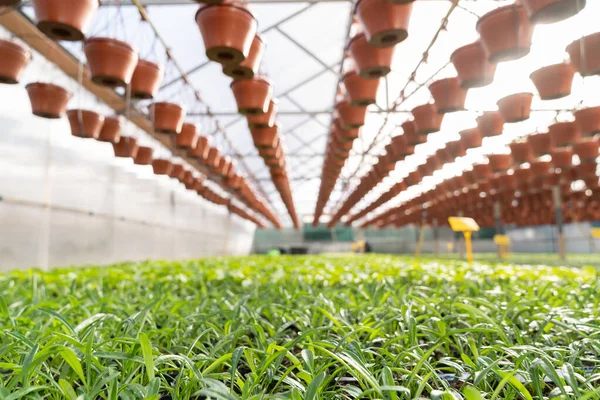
(551, 11)
(265, 120)
(214, 158)
(563, 134)
(490, 124)
(265, 137)
(224, 166)
(274, 152)
(48, 100)
(201, 150)
(162, 166)
(14, 60)
(588, 120)
(562, 158)
(516, 107)
(347, 135)
(143, 156)
(228, 30)
(473, 68)
(361, 92)
(248, 68)
(507, 181)
(168, 117)
(427, 119)
(146, 79)
(126, 147)
(64, 19)
(587, 48)
(540, 168)
(371, 62)
(500, 162)
(521, 152)
(385, 23)
(587, 149)
(523, 175)
(252, 95)
(448, 95)
(188, 137)
(351, 117)
(505, 33)
(177, 172)
(111, 61)
(111, 130)
(585, 170)
(540, 144)
(85, 123)
(554, 81)
(471, 138)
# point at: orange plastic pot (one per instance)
(562, 158)
(505, 33)
(521, 152)
(265, 137)
(490, 123)
(48, 100)
(162, 166)
(588, 120)
(252, 95)
(448, 95)
(64, 19)
(471, 138)
(201, 150)
(248, 68)
(112, 62)
(587, 149)
(540, 144)
(500, 162)
(351, 117)
(585, 54)
(214, 158)
(554, 81)
(228, 30)
(427, 119)
(385, 23)
(516, 107)
(111, 130)
(551, 11)
(168, 117)
(472, 66)
(361, 92)
(563, 134)
(14, 60)
(265, 120)
(85, 124)
(126, 147)
(143, 156)
(371, 62)
(146, 79)
(187, 138)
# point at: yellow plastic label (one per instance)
(462, 224)
(596, 233)
(502, 240)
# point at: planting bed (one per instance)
(370, 327)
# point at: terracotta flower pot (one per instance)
(265, 137)
(521, 152)
(554, 81)
(457, 149)
(112, 62)
(427, 119)
(214, 157)
(274, 152)
(385, 23)
(506, 181)
(587, 47)
(201, 150)
(265, 120)
(562, 158)
(64, 19)
(563, 134)
(523, 175)
(540, 168)
(146, 80)
(540, 144)
(85, 123)
(177, 172)
(252, 95)
(168, 117)
(471, 138)
(14, 60)
(223, 167)
(587, 149)
(550, 11)
(187, 138)
(448, 95)
(162, 166)
(490, 123)
(347, 135)
(588, 121)
(48, 100)
(585, 170)
(126, 147)
(228, 30)
(371, 62)
(143, 156)
(505, 33)
(516, 107)
(248, 68)
(472, 66)
(351, 117)
(361, 92)
(111, 130)
(500, 162)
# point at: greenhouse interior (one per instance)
(292, 199)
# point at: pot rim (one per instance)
(574, 43)
(49, 86)
(422, 107)
(443, 81)
(204, 7)
(16, 46)
(149, 64)
(497, 11)
(514, 95)
(110, 41)
(259, 79)
(548, 67)
(462, 48)
(356, 37)
(167, 105)
(83, 111)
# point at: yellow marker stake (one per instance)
(596, 233)
(469, 248)
(467, 226)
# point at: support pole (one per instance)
(557, 200)
(436, 237)
(421, 237)
(499, 228)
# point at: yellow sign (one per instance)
(502, 240)
(596, 233)
(462, 224)
(358, 246)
